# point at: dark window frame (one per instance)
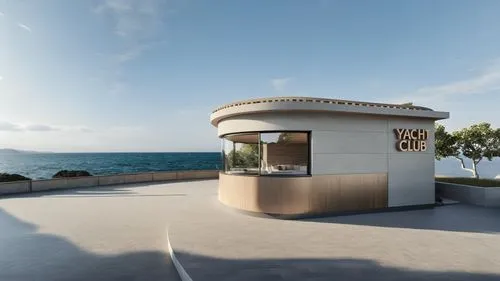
(233, 149)
(259, 174)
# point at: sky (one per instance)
(125, 75)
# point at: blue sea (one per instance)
(44, 165)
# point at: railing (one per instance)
(94, 181)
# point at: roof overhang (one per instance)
(306, 104)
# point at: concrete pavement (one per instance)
(119, 233)
(455, 242)
(112, 233)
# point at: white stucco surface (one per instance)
(350, 141)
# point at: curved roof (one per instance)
(321, 104)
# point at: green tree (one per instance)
(245, 157)
(284, 137)
(250, 154)
(445, 143)
(477, 142)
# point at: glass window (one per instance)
(285, 153)
(282, 153)
(241, 153)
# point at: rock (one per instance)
(4, 177)
(71, 174)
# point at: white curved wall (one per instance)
(356, 144)
(301, 121)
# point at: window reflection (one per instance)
(241, 154)
(282, 153)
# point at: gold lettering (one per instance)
(399, 133)
(411, 139)
(422, 134)
(411, 146)
(400, 147)
(414, 134)
(423, 146)
(407, 135)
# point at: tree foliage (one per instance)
(476, 142)
(445, 143)
(245, 157)
(479, 141)
(284, 138)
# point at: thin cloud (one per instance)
(136, 51)
(25, 27)
(486, 82)
(40, 128)
(135, 19)
(10, 127)
(85, 130)
(125, 129)
(73, 129)
(481, 84)
(1, 77)
(138, 23)
(132, 53)
(2, 14)
(279, 84)
(33, 127)
(118, 88)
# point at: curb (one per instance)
(178, 266)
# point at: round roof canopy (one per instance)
(311, 104)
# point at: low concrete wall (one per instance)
(14, 187)
(481, 196)
(65, 183)
(111, 180)
(187, 175)
(138, 178)
(492, 197)
(164, 176)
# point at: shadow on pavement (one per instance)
(456, 217)
(26, 255)
(204, 268)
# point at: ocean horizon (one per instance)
(45, 165)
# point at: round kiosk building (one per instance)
(295, 156)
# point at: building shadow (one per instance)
(455, 217)
(27, 255)
(205, 268)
